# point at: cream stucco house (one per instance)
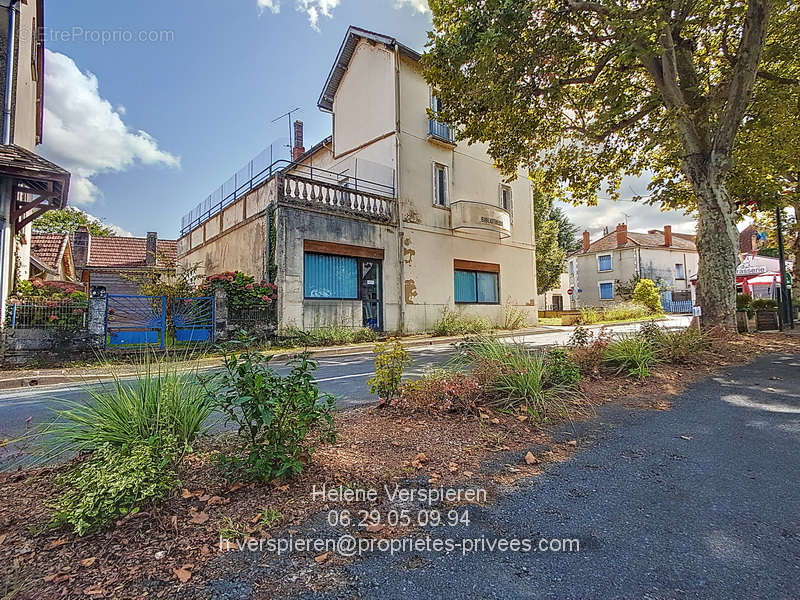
(385, 223)
(597, 269)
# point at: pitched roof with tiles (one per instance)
(651, 239)
(129, 253)
(48, 248)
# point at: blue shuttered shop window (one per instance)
(330, 276)
(474, 287)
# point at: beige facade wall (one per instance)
(25, 110)
(430, 245)
(364, 105)
(546, 300)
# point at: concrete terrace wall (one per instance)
(235, 239)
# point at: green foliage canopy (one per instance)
(68, 220)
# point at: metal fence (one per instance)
(440, 130)
(276, 159)
(53, 314)
(675, 306)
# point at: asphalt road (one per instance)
(697, 502)
(342, 376)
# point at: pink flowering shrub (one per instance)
(242, 290)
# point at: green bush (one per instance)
(561, 368)
(390, 362)
(764, 304)
(744, 303)
(627, 311)
(115, 482)
(646, 294)
(588, 351)
(161, 401)
(633, 354)
(455, 323)
(275, 414)
(589, 316)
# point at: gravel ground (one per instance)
(700, 501)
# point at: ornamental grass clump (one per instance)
(634, 355)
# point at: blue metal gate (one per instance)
(136, 320)
(675, 306)
(153, 321)
(193, 319)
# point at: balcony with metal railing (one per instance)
(441, 133)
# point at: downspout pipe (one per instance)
(10, 71)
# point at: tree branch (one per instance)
(741, 84)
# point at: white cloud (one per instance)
(86, 135)
(420, 6)
(272, 5)
(315, 9)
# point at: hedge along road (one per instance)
(342, 376)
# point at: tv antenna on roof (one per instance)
(626, 218)
(289, 116)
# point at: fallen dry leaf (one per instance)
(182, 574)
(522, 418)
(237, 486)
(421, 457)
(204, 498)
(495, 421)
(94, 590)
(186, 494)
(198, 518)
(217, 500)
(3, 538)
(531, 459)
(88, 562)
(572, 443)
(322, 557)
(55, 544)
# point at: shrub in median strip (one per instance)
(632, 354)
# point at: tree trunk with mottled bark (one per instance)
(717, 243)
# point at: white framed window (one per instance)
(505, 197)
(605, 263)
(440, 185)
(680, 272)
(572, 268)
(606, 289)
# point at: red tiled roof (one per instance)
(746, 244)
(48, 248)
(129, 253)
(653, 239)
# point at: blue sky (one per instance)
(150, 128)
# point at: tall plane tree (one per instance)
(589, 92)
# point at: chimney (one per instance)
(622, 234)
(81, 241)
(668, 235)
(586, 241)
(298, 150)
(150, 248)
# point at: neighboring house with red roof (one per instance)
(111, 264)
(51, 257)
(597, 269)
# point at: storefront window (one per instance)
(328, 276)
(476, 287)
